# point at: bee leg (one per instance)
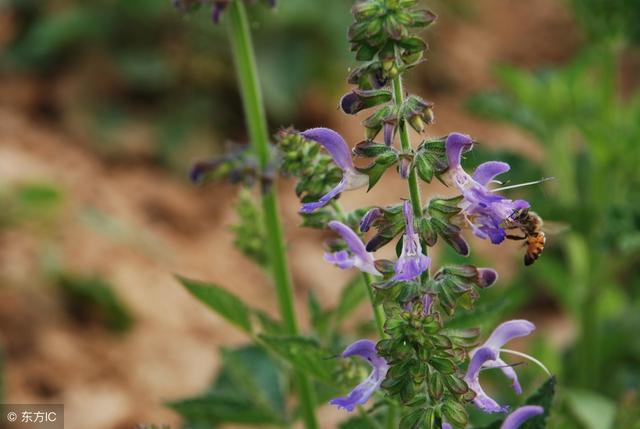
(516, 237)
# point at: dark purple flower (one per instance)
(487, 277)
(520, 415)
(412, 262)
(357, 256)
(504, 333)
(339, 151)
(218, 8)
(369, 217)
(389, 131)
(366, 349)
(484, 210)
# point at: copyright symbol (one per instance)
(12, 417)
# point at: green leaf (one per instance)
(377, 168)
(219, 300)
(352, 295)
(304, 355)
(593, 410)
(414, 420)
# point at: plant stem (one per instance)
(257, 124)
(405, 143)
(378, 312)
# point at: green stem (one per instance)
(405, 143)
(378, 312)
(257, 124)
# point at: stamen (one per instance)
(520, 185)
(484, 368)
(526, 356)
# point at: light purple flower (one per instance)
(520, 415)
(366, 349)
(412, 262)
(472, 378)
(339, 151)
(357, 256)
(484, 210)
(504, 333)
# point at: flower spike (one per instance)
(339, 151)
(356, 257)
(366, 349)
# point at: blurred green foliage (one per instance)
(29, 203)
(142, 63)
(587, 124)
(92, 299)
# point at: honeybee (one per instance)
(530, 224)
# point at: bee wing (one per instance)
(555, 228)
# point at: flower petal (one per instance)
(508, 371)
(362, 259)
(408, 218)
(410, 267)
(488, 170)
(487, 277)
(520, 415)
(324, 200)
(369, 217)
(333, 143)
(507, 331)
(365, 349)
(340, 259)
(455, 144)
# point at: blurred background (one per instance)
(105, 105)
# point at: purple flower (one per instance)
(483, 210)
(472, 378)
(504, 333)
(520, 415)
(339, 151)
(515, 419)
(369, 217)
(488, 356)
(412, 262)
(366, 349)
(357, 256)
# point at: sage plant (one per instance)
(423, 373)
(418, 363)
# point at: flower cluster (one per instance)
(431, 370)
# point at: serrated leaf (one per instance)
(221, 301)
(303, 354)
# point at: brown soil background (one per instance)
(163, 225)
